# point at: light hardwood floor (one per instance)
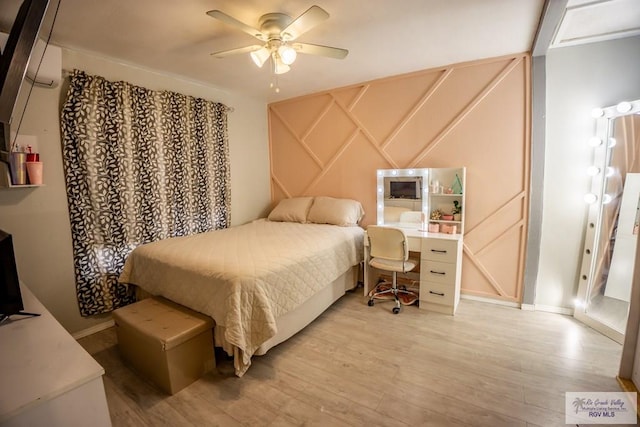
(356, 365)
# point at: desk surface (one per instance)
(425, 234)
(39, 360)
(413, 232)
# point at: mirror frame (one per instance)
(605, 118)
(381, 174)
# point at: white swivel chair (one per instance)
(389, 251)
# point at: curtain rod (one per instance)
(66, 73)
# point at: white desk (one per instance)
(440, 269)
(47, 377)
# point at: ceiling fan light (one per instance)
(260, 56)
(287, 54)
(280, 67)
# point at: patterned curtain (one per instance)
(140, 166)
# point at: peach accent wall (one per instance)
(474, 114)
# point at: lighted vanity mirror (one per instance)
(401, 197)
(609, 252)
(426, 199)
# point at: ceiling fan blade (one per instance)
(230, 20)
(303, 23)
(225, 53)
(316, 49)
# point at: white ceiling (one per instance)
(384, 37)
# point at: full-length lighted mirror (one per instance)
(610, 238)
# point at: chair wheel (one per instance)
(396, 310)
(370, 303)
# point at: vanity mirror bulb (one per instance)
(593, 170)
(590, 198)
(612, 142)
(594, 141)
(597, 112)
(608, 171)
(624, 107)
(606, 199)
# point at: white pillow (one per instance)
(343, 212)
(294, 209)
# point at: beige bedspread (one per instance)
(245, 277)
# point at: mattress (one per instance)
(245, 277)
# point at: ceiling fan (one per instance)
(278, 32)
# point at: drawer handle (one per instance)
(437, 272)
(439, 251)
(437, 293)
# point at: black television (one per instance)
(14, 60)
(404, 189)
(10, 295)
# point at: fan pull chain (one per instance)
(274, 77)
(275, 86)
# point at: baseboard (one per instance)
(94, 329)
(554, 309)
(490, 300)
(524, 307)
(628, 386)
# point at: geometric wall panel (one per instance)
(474, 114)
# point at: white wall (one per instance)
(38, 218)
(579, 79)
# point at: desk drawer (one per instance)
(437, 293)
(440, 272)
(440, 250)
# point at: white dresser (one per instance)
(48, 379)
(440, 269)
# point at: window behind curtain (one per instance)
(140, 166)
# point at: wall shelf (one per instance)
(24, 186)
(5, 180)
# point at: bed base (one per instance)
(293, 322)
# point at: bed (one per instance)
(263, 281)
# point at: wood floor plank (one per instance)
(458, 407)
(323, 399)
(356, 365)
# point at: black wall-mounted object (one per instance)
(14, 62)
